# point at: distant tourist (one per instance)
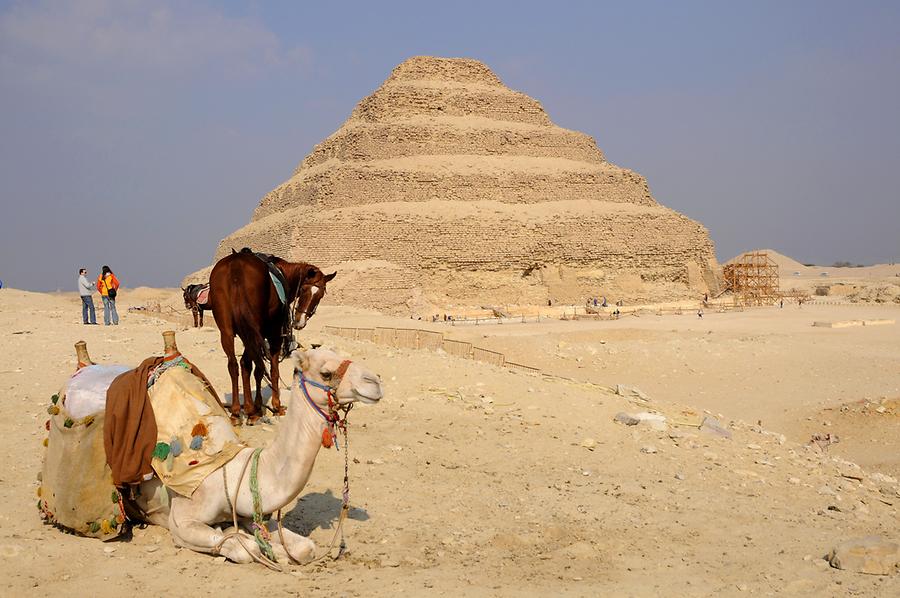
(781, 304)
(699, 313)
(108, 285)
(604, 304)
(85, 289)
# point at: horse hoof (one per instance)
(252, 419)
(281, 411)
(236, 420)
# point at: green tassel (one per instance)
(54, 399)
(161, 451)
(95, 527)
(69, 422)
(115, 497)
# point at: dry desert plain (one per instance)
(471, 479)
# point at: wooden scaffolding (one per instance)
(752, 279)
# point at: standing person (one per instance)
(108, 285)
(85, 288)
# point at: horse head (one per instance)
(311, 289)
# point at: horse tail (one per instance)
(245, 326)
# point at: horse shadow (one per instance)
(266, 397)
(319, 510)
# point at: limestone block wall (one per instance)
(444, 187)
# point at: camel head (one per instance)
(310, 292)
(323, 366)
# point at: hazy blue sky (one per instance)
(138, 134)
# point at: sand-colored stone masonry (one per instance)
(446, 187)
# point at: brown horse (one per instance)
(247, 304)
(193, 293)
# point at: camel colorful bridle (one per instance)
(333, 417)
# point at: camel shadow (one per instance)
(319, 510)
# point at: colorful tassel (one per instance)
(199, 430)
(170, 462)
(115, 496)
(69, 422)
(176, 446)
(196, 443)
(46, 441)
(88, 420)
(47, 425)
(54, 399)
(161, 451)
(53, 410)
(193, 462)
(95, 527)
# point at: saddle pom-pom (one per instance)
(161, 451)
(176, 447)
(196, 442)
(199, 430)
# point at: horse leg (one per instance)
(258, 373)
(200, 311)
(228, 347)
(249, 406)
(194, 313)
(276, 389)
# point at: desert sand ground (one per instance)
(477, 480)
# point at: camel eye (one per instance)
(326, 375)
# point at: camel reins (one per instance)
(333, 419)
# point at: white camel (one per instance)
(283, 469)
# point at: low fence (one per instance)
(414, 338)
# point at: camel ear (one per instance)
(329, 277)
(301, 360)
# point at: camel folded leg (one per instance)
(196, 535)
(291, 544)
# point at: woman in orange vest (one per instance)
(108, 285)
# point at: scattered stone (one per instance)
(711, 425)
(649, 449)
(220, 560)
(754, 447)
(793, 481)
(589, 443)
(679, 476)
(152, 548)
(825, 490)
(710, 455)
(880, 477)
(109, 549)
(627, 419)
(873, 555)
(630, 391)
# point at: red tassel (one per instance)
(327, 438)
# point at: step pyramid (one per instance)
(447, 188)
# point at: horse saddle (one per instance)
(203, 295)
(275, 274)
